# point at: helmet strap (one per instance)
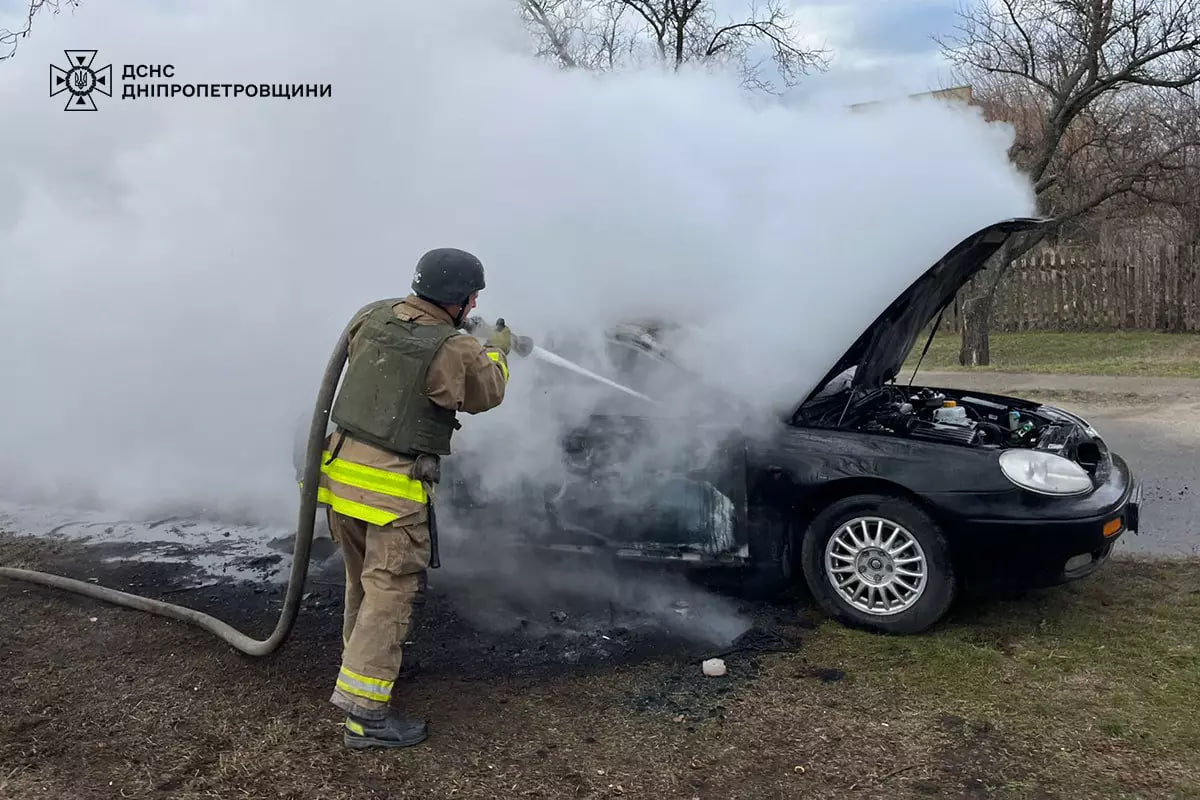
(462, 312)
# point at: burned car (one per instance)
(885, 499)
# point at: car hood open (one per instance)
(877, 355)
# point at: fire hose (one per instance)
(302, 549)
(300, 552)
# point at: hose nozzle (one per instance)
(521, 345)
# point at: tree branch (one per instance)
(9, 39)
(537, 11)
(658, 25)
(601, 34)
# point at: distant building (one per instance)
(955, 94)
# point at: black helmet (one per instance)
(448, 276)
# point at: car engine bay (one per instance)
(961, 419)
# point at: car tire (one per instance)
(917, 604)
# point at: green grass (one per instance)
(1113, 659)
(1102, 672)
(1120, 353)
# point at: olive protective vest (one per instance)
(383, 400)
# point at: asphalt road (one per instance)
(1163, 448)
(1153, 423)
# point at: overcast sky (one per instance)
(880, 47)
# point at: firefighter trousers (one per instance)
(384, 565)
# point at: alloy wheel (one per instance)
(876, 565)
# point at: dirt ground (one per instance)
(104, 702)
(1081, 691)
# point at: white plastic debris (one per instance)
(713, 667)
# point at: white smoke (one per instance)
(175, 271)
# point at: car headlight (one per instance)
(1044, 473)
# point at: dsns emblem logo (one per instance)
(80, 80)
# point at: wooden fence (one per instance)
(1136, 291)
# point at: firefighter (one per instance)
(410, 370)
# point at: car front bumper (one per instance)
(1045, 542)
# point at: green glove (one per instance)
(501, 338)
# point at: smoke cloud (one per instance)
(175, 271)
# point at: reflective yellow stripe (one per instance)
(341, 505)
(373, 479)
(499, 359)
(355, 727)
(361, 686)
(377, 683)
(364, 693)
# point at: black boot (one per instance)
(394, 730)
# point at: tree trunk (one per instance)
(976, 329)
(975, 350)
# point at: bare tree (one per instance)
(604, 34)
(1179, 198)
(1162, 208)
(1080, 79)
(580, 34)
(9, 39)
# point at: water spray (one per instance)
(524, 346)
(552, 358)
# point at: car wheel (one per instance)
(879, 562)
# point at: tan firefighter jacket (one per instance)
(376, 485)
